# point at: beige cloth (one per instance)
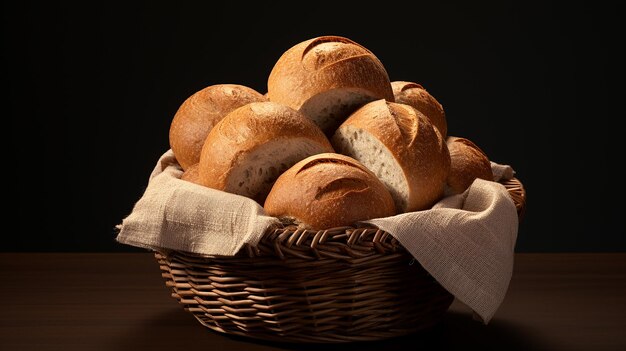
(179, 215)
(501, 171)
(466, 242)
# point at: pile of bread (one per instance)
(333, 141)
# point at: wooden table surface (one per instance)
(119, 302)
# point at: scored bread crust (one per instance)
(416, 147)
(468, 162)
(415, 95)
(326, 71)
(329, 190)
(240, 139)
(199, 113)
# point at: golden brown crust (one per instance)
(416, 145)
(325, 63)
(415, 95)
(468, 162)
(199, 113)
(329, 190)
(247, 128)
(191, 174)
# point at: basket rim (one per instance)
(348, 242)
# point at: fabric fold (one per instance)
(178, 215)
(466, 242)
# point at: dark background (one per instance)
(92, 91)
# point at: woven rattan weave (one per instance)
(336, 285)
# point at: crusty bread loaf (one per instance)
(328, 190)
(467, 162)
(199, 113)
(191, 174)
(415, 95)
(401, 146)
(248, 149)
(327, 78)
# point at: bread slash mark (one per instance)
(326, 51)
(406, 119)
(411, 86)
(340, 187)
(327, 160)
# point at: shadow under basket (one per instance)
(337, 285)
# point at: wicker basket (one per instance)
(336, 285)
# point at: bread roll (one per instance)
(328, 190)
(327, 78)
(191, 174)
(468, 162)
(248, 149)
(199, 113)
(401, 146)
(415, 95)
